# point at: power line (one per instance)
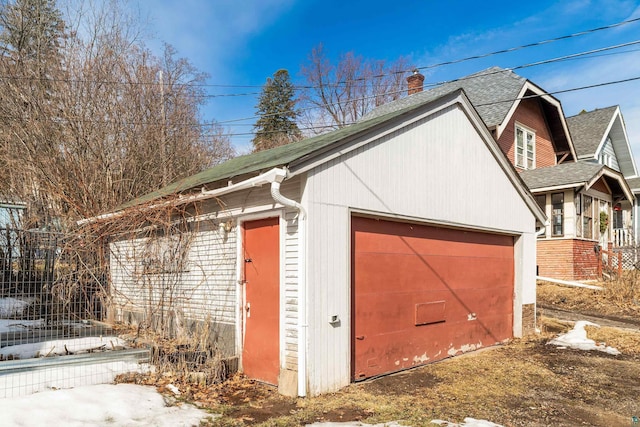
(513, 49)
(596, 85)
(175, 125)
(574, 56)
(423, 67)
(234, 122)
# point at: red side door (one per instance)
(261, 349)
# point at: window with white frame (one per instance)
(525, 148)
(587, 217)
(557, 214)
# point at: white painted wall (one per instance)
(210, 286)
(206, 284)
(438, 169)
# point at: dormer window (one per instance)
(525, 147)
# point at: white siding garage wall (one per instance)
(438, 170)
(203, 291)
(208, 287)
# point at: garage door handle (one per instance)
(360, 337)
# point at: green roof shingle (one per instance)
(279, 156)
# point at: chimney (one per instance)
(415, 82)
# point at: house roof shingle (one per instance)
(588, 129)
(560, 175)
(634, 183)
(491, 91)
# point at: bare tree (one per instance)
(107, 122)
(340, 94)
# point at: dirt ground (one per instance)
(522, 383)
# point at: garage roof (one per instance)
(267, 159)
(311, 149)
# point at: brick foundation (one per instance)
(568, 259)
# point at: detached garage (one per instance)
(385, 245)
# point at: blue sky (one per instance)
(243, 43)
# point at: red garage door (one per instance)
(423, 293)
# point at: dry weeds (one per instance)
(619, 298)
(522, 383)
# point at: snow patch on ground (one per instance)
(13, 325)
(468, 422)
(61, 347)
(36, 379)
(577, 338)
(62, 377)
(356, 424)
(11, 307)
(104, 405)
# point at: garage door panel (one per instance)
(421, 293)
(418, 239)
(391, 312)
(412, 273)
(384, 353)
(418, 246)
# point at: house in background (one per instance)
(11, 213)
(529, 126)
(578, 198)
(399, 240)
(600, 136)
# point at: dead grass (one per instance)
(523, 383)
(620, 297)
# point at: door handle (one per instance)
(247, 308)
(360, 337)
(248, 260)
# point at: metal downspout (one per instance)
(303, 326)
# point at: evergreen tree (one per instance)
(276, 108)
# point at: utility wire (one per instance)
(513, 49)
(596, 85)
(435, 84)
(475, 105)
(424, 67)
(234, 122)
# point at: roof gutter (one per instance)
(257, 181)
(303, 324)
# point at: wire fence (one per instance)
(52, 303)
